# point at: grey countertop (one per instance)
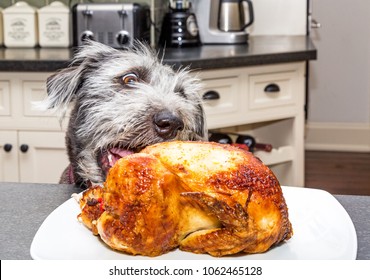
(259, 51)
(24, 207)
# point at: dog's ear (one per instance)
(63, 86)
(61, 90)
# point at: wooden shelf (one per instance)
(276, 156)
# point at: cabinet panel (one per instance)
(228, 97)
(226, 109)
(271, 90)
(18, 94)
(275, 92)
(33, 91)
(8, 156)
(45, 159)
(4, 98)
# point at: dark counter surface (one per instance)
(259, 51)
(24, 207)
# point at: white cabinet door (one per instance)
(8, 156)
(43, 158)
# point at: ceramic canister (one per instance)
(54, 25)
(20, 25)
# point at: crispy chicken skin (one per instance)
(92, 207)
(199, 196)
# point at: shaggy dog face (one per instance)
(121, 102)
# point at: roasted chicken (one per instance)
(202, 197)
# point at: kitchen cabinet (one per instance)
(32, 145)
(266, 102)
(9, 171)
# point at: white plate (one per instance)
(322, 230)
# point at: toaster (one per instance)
(114, 24)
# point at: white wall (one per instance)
(339, 88)
(279, 17)
(340, 76)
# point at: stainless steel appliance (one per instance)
(231, 16)
(223, 21)
(114, 24)
(179, 26)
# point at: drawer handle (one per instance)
(8, 147)
(211, 95)
(272, 88)
(24, 148)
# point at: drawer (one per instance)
(221, 101)
(272, 90)
(4, 98)
(19, 91)
(33, 91)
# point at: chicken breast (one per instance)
(199, 196)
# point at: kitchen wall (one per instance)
(339, 84)
(40, 3)
(279, 17)
(272, 17)
(157, 6)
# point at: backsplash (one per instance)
(272, 17)
(158, 8)
(41, 3)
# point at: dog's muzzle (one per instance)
(167, 124)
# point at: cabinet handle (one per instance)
(272, 88)
(8, 147)
(24, 148)
(315, 24)
(211, 95)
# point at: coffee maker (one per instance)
(223, 21)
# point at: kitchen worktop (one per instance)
(24, 207)
(259, 51)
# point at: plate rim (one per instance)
(348, 221)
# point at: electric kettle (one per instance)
(231, 16)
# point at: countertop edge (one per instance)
(261, 50)
(255, 60)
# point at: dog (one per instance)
(121, 101)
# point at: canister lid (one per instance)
(55, 7)
(20, 8)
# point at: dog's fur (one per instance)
(110, 110)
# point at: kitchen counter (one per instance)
(25, 206)
(259, 51)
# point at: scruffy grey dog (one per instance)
(121, 101)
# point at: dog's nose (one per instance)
(167, 125)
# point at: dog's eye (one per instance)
(129, 79)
